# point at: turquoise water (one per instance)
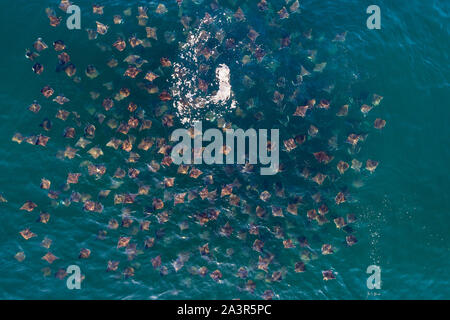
(402, 208)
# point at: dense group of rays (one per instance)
(140, 94)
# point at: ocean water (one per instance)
(402, 209)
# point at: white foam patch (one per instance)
(224, 92)
(190, 102)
